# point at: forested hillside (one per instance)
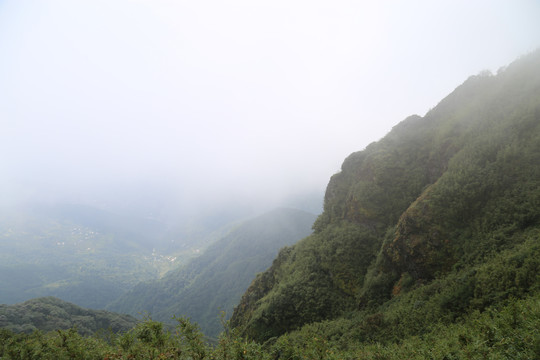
(437, 220)
(216, 280)
(50, 313)
(90, 256)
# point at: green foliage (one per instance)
(318, 279)
(509, 330)
(50, 313)
(507, 333)
(148, 340)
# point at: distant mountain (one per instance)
(50, 313)
(436, 221)
(216, 280)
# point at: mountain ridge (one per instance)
(414, 207)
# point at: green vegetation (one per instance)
(507, 331)
(438, 220)
(49, 313)
(216, 280)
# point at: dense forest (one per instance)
(428, 247)
(49, 313)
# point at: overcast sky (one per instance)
(237, 98)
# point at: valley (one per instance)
(85, 255)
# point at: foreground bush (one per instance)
(506, 332)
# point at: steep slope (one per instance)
(216, 280)
(50, 313)
(438, 196)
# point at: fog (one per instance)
(162, 105)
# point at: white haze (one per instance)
(193, 104)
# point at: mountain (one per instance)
(435, 222)
(50, 313)
(216, 280)
(428, 248)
